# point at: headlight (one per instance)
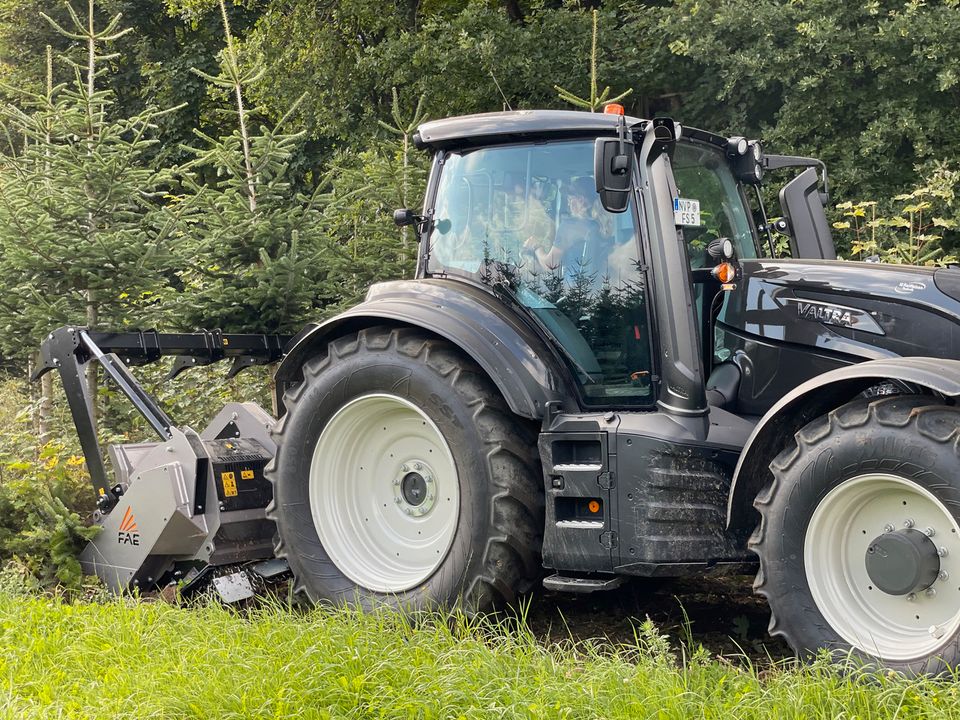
(749, 166)
(736, 146)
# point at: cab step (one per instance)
(582, 585)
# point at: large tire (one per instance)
(846, 553)
(401, 478)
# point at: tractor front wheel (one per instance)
(859, 541)
(401, 478)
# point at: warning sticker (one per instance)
(229, 481)
(686, 212)
(246, 474)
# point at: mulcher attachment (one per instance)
(190, 502)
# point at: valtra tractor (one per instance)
(600, 371)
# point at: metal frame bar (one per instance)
(70, 349)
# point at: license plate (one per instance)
(686, 212)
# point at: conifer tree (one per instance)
(598, 98)
(82, 231)
(252, 247)
(366, 187)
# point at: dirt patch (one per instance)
(721, 613)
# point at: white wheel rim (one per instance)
(843, 526)
(384, 529)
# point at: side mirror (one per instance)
(810, 236)
(613, 169)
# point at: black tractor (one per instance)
(601, 371)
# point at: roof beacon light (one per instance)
(613, 109)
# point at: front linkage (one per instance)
(70, 349)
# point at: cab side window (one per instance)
(530, 214)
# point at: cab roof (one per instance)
(487, 128)
(518, 125)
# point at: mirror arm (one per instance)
(777, 162)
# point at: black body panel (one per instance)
(660, 484)
(672, 499)
(792, 320)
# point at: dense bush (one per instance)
(45, 497)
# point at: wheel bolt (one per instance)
(943, 575)
(911, 597)
(397, 500)
(408, 511)
(908, 523)
(417, 466)
(430, 496)
(888, 528)
(942, 552)
(931, 592)
(405, 467)
(396, 481)
(929, 532)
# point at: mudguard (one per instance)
(811, 400)
(524, 368)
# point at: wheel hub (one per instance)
(902, 562)
(414, 488)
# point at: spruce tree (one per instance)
(366, 187)
(252, 249)
(83, 231)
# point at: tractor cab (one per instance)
(518, 210)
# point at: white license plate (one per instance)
(686, 212)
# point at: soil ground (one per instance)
(720, 612)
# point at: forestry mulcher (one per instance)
(600, 371)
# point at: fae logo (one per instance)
(128, 534)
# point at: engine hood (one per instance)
(789, 320)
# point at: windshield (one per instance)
(527, 219)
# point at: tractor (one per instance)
(601, 370)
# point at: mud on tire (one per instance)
(493, 520)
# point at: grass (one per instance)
(122, 659)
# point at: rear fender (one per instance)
(524, 368)
(813, 399)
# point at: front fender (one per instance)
(521, 364)
(813, 399)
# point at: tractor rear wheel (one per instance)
(859, 540)
(401, 478)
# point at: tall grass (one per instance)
(139, 660)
